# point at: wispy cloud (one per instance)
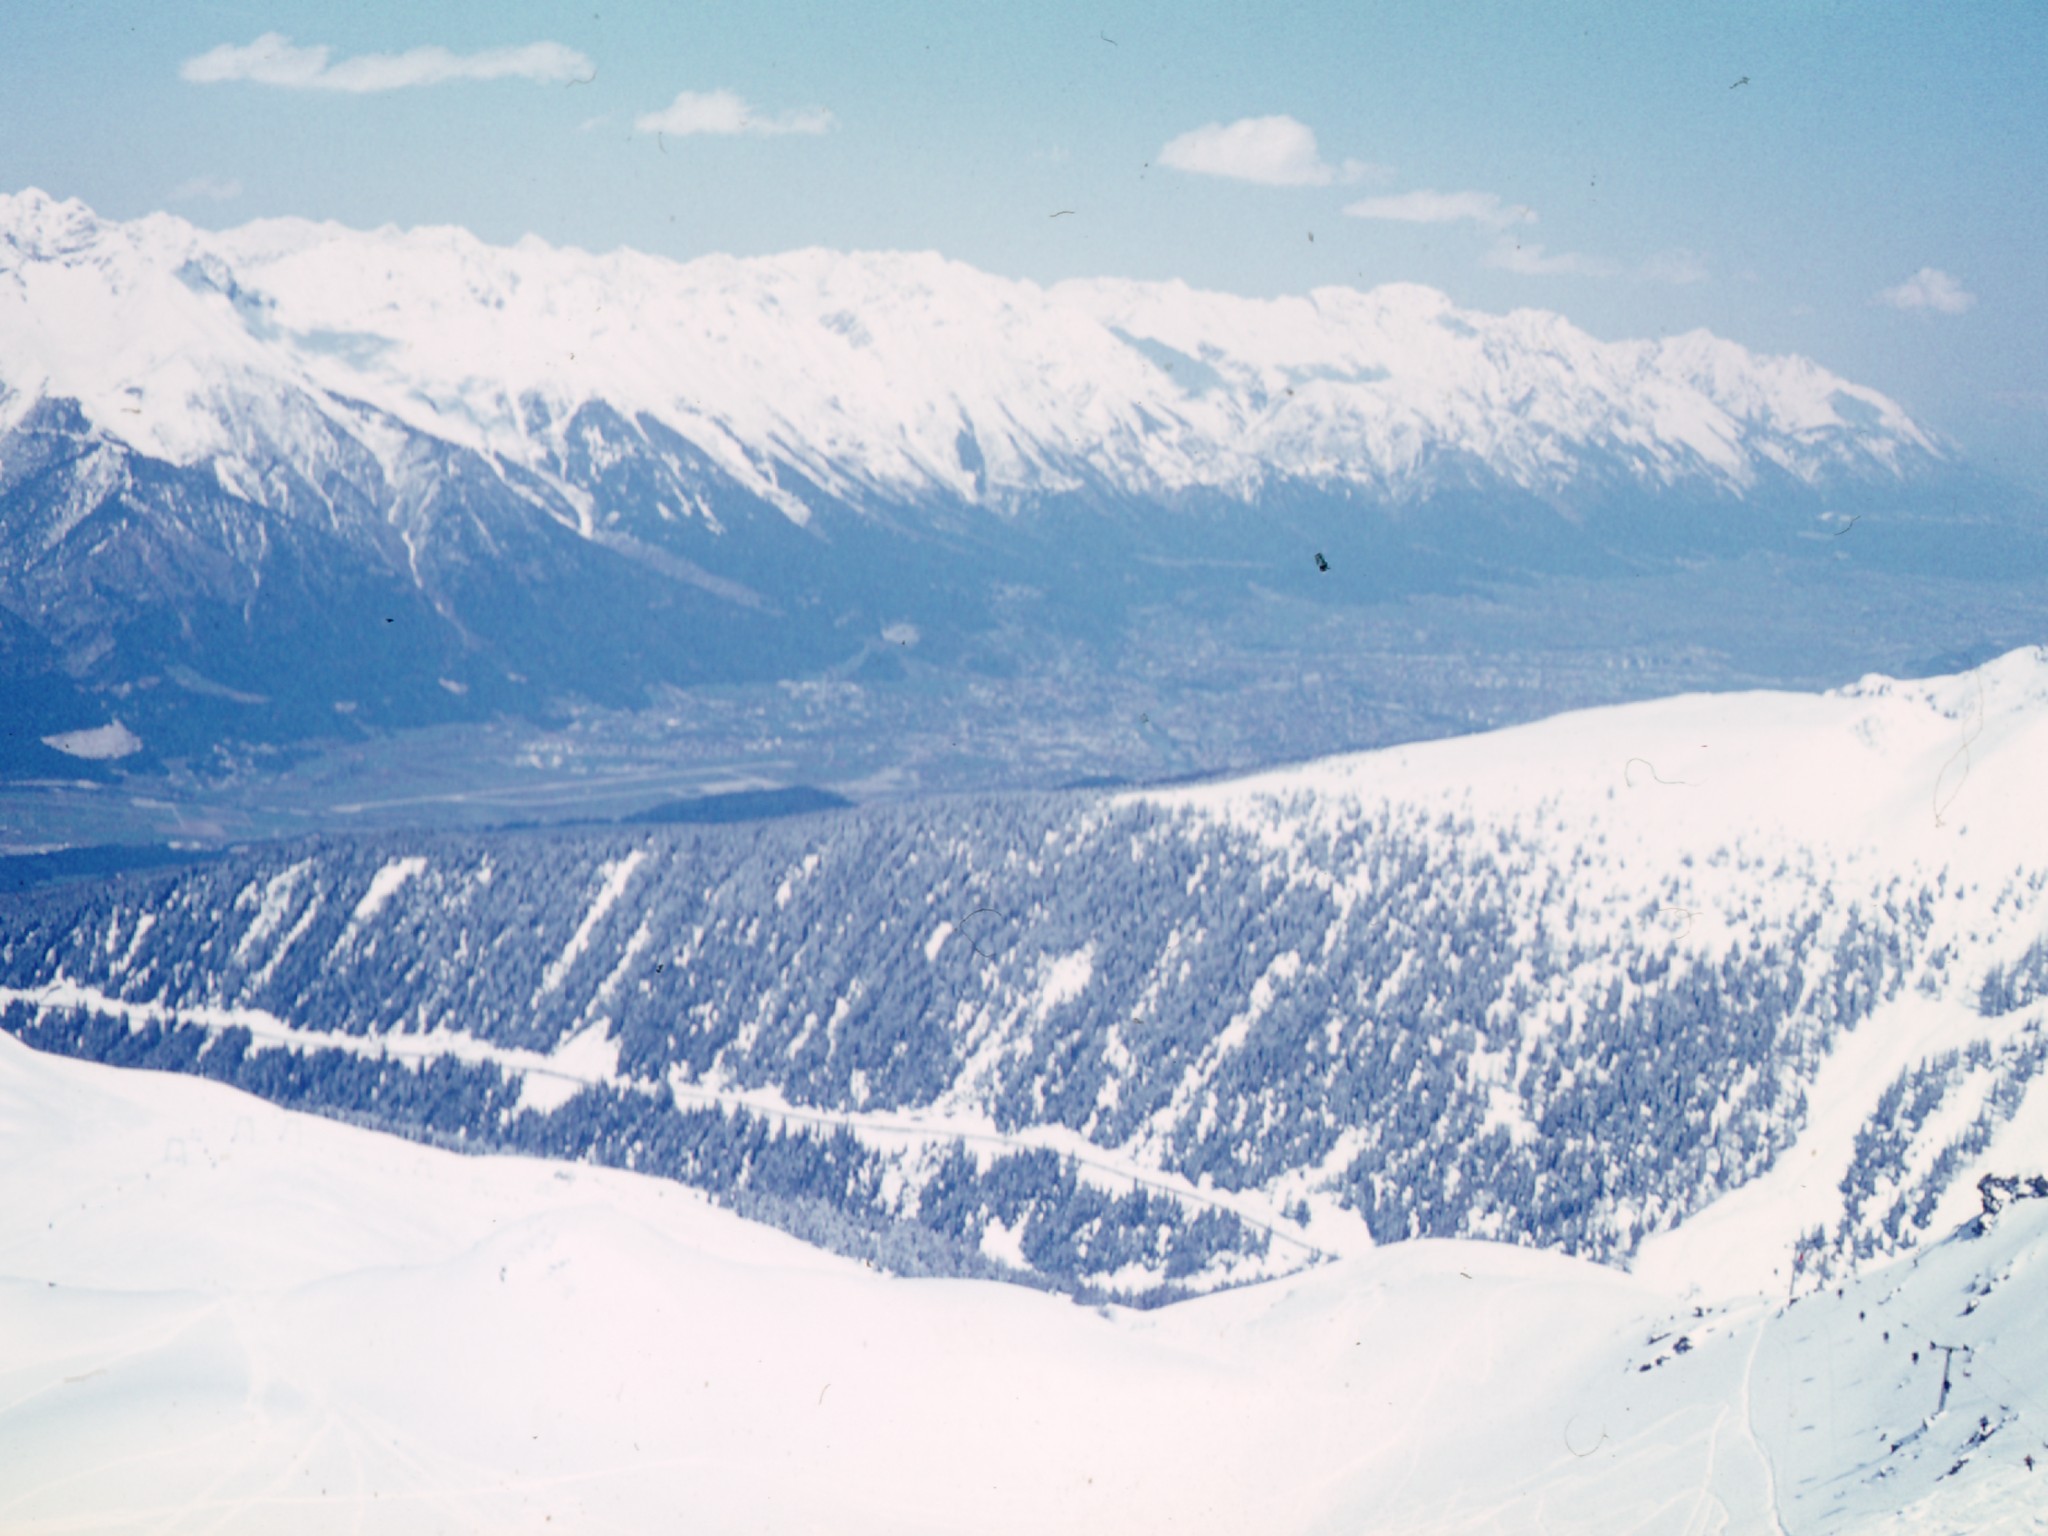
(1426, 207)
(212, 189)
(274, 59)
(1531, 260)
(726, 112)
(1929, 288)
(1679, 268)
(1273, 151)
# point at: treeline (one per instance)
(2006, 989)
(1141, 1248)
(1894, 1182)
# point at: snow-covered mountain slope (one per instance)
(1574, 986)
(1920, 773)
(875, 376)
(1718, 819)
(218, 1316)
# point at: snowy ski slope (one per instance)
(220, 1316)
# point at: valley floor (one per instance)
(219, 1316)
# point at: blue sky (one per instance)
(1873, 195)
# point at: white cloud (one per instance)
(1929, 288)
(1531, 260)
(274, 59)
(1510, 254)
(1426, 207)
(214, 189)
(1273, 151)
(726, 112)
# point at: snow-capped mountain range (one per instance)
(292, 481)
(869, 377)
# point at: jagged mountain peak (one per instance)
(39, 226)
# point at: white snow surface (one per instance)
(874, 375)
(383, 886)
(590, 1055)
(1938, 773)
(219, 1316)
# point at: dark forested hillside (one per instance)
(961, 1036)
